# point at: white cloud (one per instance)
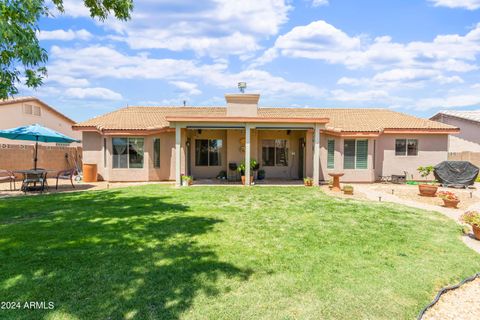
(209, 28)
(465, 4)
(401, 78)
(318, 3)
(448, 102)
(93, 93)
(187, 87)
(75, 8)
(99, 62)
(67, 81)
(64, 35)
(322, 41)
(410, 75)
(317, 40)
(370, 95)
(235, 43)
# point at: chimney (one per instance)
(242, 105)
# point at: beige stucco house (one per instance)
(23, 111)
(468, 139)
(163, 143)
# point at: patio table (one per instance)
(36, 172)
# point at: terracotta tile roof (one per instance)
(28, 99)
(344, 120)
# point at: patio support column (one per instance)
(316, 155)
(247, 154)
(178, 132)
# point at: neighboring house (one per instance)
(162, 143)
(23, 111)
(468, 139)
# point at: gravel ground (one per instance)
(410, 192)
(459, 304)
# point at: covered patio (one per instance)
(286, 149)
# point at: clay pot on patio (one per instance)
(476, 231)
(243, 180)
(450, 203)
(427, 190)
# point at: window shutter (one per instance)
(362, 154)
(331, 154)
(349, 154)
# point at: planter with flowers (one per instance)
(472, 218)
(308, 182)
(427, 189)
(187, 180)
(450, 199)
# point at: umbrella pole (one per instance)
(36, 153)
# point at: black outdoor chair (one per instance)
(66, 175)
(7, 175)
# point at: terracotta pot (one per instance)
(450, 203)
(243, 180)
(476, 232)
(348, 191)
(427, 190)
(308, 183)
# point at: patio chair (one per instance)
(66, 175)
(6, 175)
(45, 181)
(33, 178)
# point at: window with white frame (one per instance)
(355, 154)
(128, 153)
(406, 147)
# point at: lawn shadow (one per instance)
(108, 255)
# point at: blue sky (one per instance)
(414, 56)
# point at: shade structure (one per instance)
(37, 133)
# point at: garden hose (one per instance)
(443, 290)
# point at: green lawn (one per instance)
(156, 252)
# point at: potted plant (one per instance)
(187, 180)
(261, 174)
(450, 199)
(308, 182)
(426, 189)
(253, 166)
(472, 218)
(348, 189)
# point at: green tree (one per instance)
(22, 59)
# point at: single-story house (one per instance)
(164, 143)
(468, 139)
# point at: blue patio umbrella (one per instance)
(37, 133)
